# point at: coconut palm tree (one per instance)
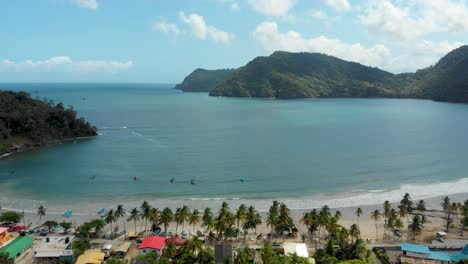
(311, 220)
(171, 251)
(194, 218)
(253, 219)
(192, 246)
(272, 217)
(324, 217)
(416, 226)
(41, 211)
(285, 221)
(154, 217)
(243, 257)
(338, 215)
(267, 253)
(376, 216)
(224, 220)
(110, 218)
(358, 214)
(241, 215)
(145, 213)
(185, 211)
(387, 207)
(120, 213)
(421, 206)
(166, 218)
(134, 216)
(403, 212)
(207, 219)
(354, 232)
(179, 218)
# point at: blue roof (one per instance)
(415, 248)
(442, 256)
(461, 255)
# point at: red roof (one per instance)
(154, 242)
(176, 240)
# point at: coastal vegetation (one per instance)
(201, 80)
(333, 241)
(27, 122)
(289, 75)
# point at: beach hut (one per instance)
(53, 249)
(122, 249)
(91, 257)
(152, 244)
(4, 236)
(178, 241)
(17, 246)
(422, 252)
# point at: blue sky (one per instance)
(162, 41)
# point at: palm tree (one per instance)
(134, 216)
(415, 226)
(354, 231)
(358, 214)
(376, 215)
(386, 213)
(338, 215)
(179, 218)
(192, 246)
(284, 219)
(185, 211)
(166, 218)
(421, 206)
(194, 219)
(324, 217)
(145, 213)
(207, 219)
(445, 204)
(41, 211)
(272, 217)
(171, 251)
(244, 256)
(224, 220)
(154, 217)
(311, 220)
(402, 212)
(120, 213)
(267, 253)
(241, 215)
(253, 219)
(110, 218)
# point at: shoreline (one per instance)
(38, 146)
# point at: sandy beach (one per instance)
(367, 226)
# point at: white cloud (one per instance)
(404, 20)
(271, 40)
(318, 14)
(202, 30)
(274, 8)
(89, 4)
(67, 65)
(166, 27)
(235, 6)
(339, 5)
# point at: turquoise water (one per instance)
(292, 149)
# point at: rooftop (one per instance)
(296, 248)
(154, 242)
(17, 246)
(415, 248)
(463, 254)
(91, 257)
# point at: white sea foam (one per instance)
(361, 198)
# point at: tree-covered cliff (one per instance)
(26, 122)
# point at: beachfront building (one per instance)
(4, 236)
(91, 257)
(17, 246)
(421, 254)
(299, 249)
(121, 250)
(462, 255)
(53, 250)
(152, 244)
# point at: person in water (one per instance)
(172, 179)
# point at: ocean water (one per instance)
(339, 151)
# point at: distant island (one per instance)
(289, 75)
(26, 122)
(202, 80)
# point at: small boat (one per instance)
(101, 210)
(172, 179)
(136, 178)
(68, 213)
(242, 180)
(192, 181)
(92, 177)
